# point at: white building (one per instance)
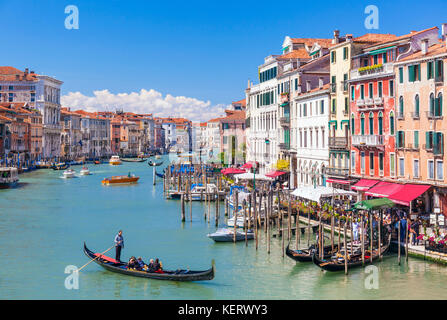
(309, 116)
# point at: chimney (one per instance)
(349, 37)
(336, 37)
(26, 71)
(424, 46)
(444, 31)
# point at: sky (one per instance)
(178, 58)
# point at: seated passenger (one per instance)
(140, 264)
(158, 266)
(151, 266)
(132, 263)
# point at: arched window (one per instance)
(371, 123)
(401, 107)
(392, 123)
(362, 124)
(438, 110)
(380, 123)
(416, 106)
(352, 124)
(432, 104)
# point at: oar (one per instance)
(95, 258)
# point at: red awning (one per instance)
(274, 174)
(384, 189)
(329, 180)
(408, 193)
(364, 184)
(248, 165)
(232, 171)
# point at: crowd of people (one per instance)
(140, 265)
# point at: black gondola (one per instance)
(338, 264)
(160, 175)
(177, 275)
(305, 255)
(133, 160)
(154, 164)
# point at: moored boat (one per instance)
(305, 255)
(120, 180)
(154, 164)
(111, 264)
(9, 177)
(337, 262)
(115, 160)
(133, 159)
(60, 166)
(227, 235)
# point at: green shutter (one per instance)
(427, 140)
(411, 73)
(418, 67)
(416, 139)
(401, 75)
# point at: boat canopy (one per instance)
(374, 204)
(252, 176)
(318, 192)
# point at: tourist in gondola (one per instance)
(151, 266)
(158, 266)
(355, 229)
(140, 264)
(119, 244)
(132, 264)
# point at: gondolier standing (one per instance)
(119, 244)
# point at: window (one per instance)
(384, 58)
(439, 170)
(439, 70)
(416, 106)
(401, 167)
(370, 90)
(371, 163)
(401, 75)
(346, 105)
(430, 169)
(362, 91)
(334, 106)
(416, 168)
(380, 123)
(414, 73)
(430, 71)
(371, 123)
(362, 162)
(381, 163)
(352, 125)
(391, 84)
(438, 106)
(333, 57)
(322, 107)
(376, 59)
(362, 124)
(10, 97)
(392, 164)
(353, 161)
(380, 89)
(400, 139)
(352, 93)
(345, 53)
(416, 139)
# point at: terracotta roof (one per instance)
(5, 118)
(242, 102)
(434, 50)
(295, 54)
(324, 43)
(375, 37)
(10, 74)
(234, 115)
(405, 36)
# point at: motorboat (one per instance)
(9, 177)
(84, 171)
(115, 160)
(129, 179)
(69, 173)
(227, 235)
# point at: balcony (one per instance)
(284, 121)
(411, 147)
(368, 140)
(369, 102)
(344, 86)
(415, 115)
(284, 146)
(372, 71)
(400, 115)
(360, 103)
(333, 87)
(338, 142)
(439, 80)
(432, 116)
(339, 172)
(378, 101)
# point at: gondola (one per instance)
(160, 175)
(305, 255)
(335, 263)
(154, 164)
(132, 160)
(60, 166)
(111, 264)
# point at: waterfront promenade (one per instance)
(46, 219)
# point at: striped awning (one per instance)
(381, 50)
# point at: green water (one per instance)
(44, 222)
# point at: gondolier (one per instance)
(119, 244)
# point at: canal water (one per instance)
(44, 222)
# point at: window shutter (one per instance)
(418, 67)
(411, 73)
(427, 140)
(401, 75)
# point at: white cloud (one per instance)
(145, 101)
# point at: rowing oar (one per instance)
(95, 258)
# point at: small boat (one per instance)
(111, 264)
(60, 166)
(227, 235)
(239, 222)
(9, 177)
(133, 160)
(305, 255)
(115, 160)
(157, 157)
(154, 164)
(97, 162)
(160, 175)
(84, 171)
(337, 262)
(120, 180)
(69, 173)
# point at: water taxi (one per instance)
(8, 177)
(69, 173)
(115, 160)
(120, 180)
(84, 171)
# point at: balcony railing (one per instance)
(360, 102)
(284, 146)
(400, 115)
(333, 87)
(369, 140)
(344, 86)
(375, 70)
(339, 172)
(338, 142)
(415, 115)
(431, 115)
(284, 121)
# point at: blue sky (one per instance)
(203, 50)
